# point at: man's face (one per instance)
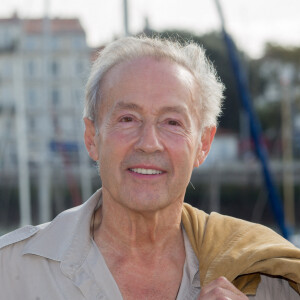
(148, 142)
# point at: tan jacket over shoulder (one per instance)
(239, 250)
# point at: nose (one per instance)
(149, 141)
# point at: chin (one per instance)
(146, 203)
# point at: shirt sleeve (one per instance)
(271, 288)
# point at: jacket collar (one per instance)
(67, 238)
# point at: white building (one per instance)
(43, 68)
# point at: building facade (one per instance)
(44, 64)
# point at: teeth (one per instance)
(146, 171)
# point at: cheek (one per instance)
(183, 151)
(113, 145)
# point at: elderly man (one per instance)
(150, 117)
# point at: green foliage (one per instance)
(285, 54)
(270, 116)
(257, 84)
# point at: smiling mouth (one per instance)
(146, 171)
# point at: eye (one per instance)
(126, 119)
(173, 123)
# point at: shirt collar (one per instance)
(67, 238)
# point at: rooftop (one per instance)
(35, 26)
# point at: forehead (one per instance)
(148, 80)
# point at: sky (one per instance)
(251, 23)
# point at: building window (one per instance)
(32, 124)
(6, 69)
(31, 69)
(55, 98)
(54, 68)
(55, 124)
(31, 98)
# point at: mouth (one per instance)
(143, 171)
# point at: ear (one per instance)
(89, 139)
(204, 147)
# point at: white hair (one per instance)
(191, 56)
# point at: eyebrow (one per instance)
(123, 105)
(177, 109)
(133, 106)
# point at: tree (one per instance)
(286, 54)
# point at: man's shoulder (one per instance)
(19, 235)
(64, 224)
(62, 221)
(68, 230)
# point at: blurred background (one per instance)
(46, 50)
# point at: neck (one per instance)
(144, 251)
(132, 232)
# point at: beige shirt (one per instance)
(59, 260)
